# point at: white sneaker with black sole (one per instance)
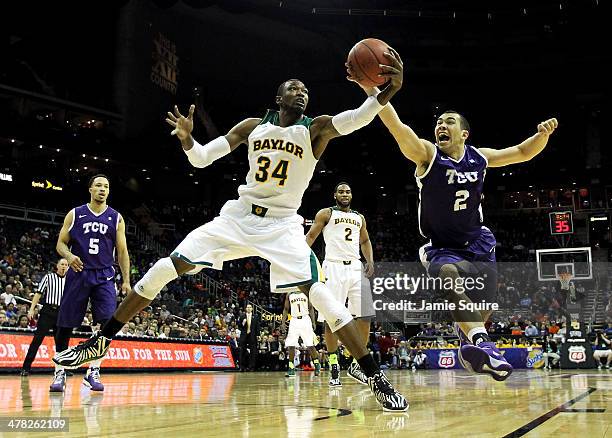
(354, 371)
(386, 395)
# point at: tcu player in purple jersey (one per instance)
(450, 176)
(89, 238)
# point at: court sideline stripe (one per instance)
(547, 416)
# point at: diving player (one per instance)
(450, 176)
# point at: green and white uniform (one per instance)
(300, 324)
(342, 265)
(263, 221)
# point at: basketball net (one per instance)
(565, 278)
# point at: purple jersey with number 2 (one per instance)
(450, 213)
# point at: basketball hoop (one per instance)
(565, 278)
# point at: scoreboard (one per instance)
(561, 222)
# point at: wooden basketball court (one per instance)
(216, 404)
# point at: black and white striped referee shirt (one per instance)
(52, 287)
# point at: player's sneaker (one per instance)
(290, 372)
(354, 371)
(92, 379)
(317, 369)
(92, 349)
(386, 395)
(59, 382)
(486, 358)
(334, 379)
(463, 340)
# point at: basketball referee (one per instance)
(51, 287)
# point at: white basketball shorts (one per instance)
(348, 281)
(300, 328)
(237, 233)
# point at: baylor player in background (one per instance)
(301, 325)
(345, 233)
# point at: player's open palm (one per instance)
(182, 125)
(547, 127)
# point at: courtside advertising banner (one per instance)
(124, 353)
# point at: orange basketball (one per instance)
(364, 60)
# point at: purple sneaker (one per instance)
(92, 379)
(486, 358)
(59, 382)
(463, 340)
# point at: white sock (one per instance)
(160, 274)
(95, 363)
(476, 330)
(336, 315)
(59, 367)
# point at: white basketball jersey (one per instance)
(299, 304)
(281, 164)
(341, 235)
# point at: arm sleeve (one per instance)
(202, 156)
(352, 120)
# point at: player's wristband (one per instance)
(351, 120)
(202, 156)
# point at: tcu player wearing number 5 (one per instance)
(283, 148)
(450, 176)
(88, 240)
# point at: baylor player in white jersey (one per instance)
(283, 149)
(301, 325)
(345, 233)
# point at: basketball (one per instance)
(364, 60)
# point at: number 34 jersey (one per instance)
(93, 236)
(281, 165)
(450, 194)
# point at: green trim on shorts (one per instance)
(185, 259)
(299, 283)
(314, 274)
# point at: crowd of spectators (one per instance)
(186, 308)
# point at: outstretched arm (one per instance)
(324, 128)
(417, 150)
(204, 155)
(524, 151)
(321, 219)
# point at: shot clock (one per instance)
(561, 223)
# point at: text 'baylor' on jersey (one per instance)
(281, 165)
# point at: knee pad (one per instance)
(160, 274)
(335, 314)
